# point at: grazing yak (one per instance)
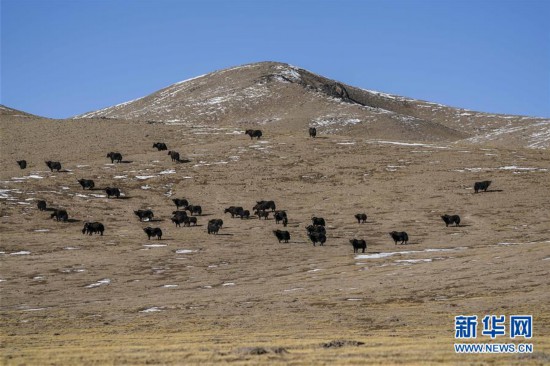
(244, 214)
(182, 214)
(53, 165)
(60, 215)
(264, 205)
(318, 221)
(213, 227)
(86, 183)
(144, 214)
(282, 235)
(358, 244)
(361, 218)
(190, 220)
(115, 157)
(254, 133)
(160, 146)
(280, 216)
(262, 213)
(93, 228)
(174, 155)
(178, 220)
(180, 202)
(399, 236)
(234, 210)
(41, 205)
(451, 219)
(218, 222)
(179, 217)
(194, 209)
(316, 229)
(22, 164)
(312, 132)
(317, 238)
(152, 232)
(482, 186)
(111, 191)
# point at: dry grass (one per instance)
(294, 295)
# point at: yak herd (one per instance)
(316, 232)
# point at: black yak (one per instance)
(218, 222)
(194, 209)
(152, 232)
(264, 205)
(234, 210)
(179, 217)
(262, 213)
(115, 157)
(178, 220)
(282, 235)
(144, 214)
(86, 183)
(22, 164)
(317, 238)
(399, 236)
(254, 133)
(41, 205)
(482, 186)
(160, 146)
(279, 216)
(60, 215)
(53, 165)
(174, 155)
(93, 228)
(318, 221)
(181, 214)
(451, 219)
(358, 244)
(316, 229)
(180, 202)
(244, 214)
(213, 227)
(312, 132)
(190, 220)
(361, 218)
(111, 191)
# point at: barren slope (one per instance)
(294, 98)
(194, 298)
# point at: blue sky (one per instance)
(64, 57)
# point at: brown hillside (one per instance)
(294, 98)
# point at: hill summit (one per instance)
(294, 98)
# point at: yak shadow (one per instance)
(50, 209)
(126, 162)
(226, 234)
(73, 220)
(491, 191)
(121, 198)
(182, 161)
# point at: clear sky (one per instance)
(65, 57)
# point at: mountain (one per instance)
(10, 112)
(294, 98)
